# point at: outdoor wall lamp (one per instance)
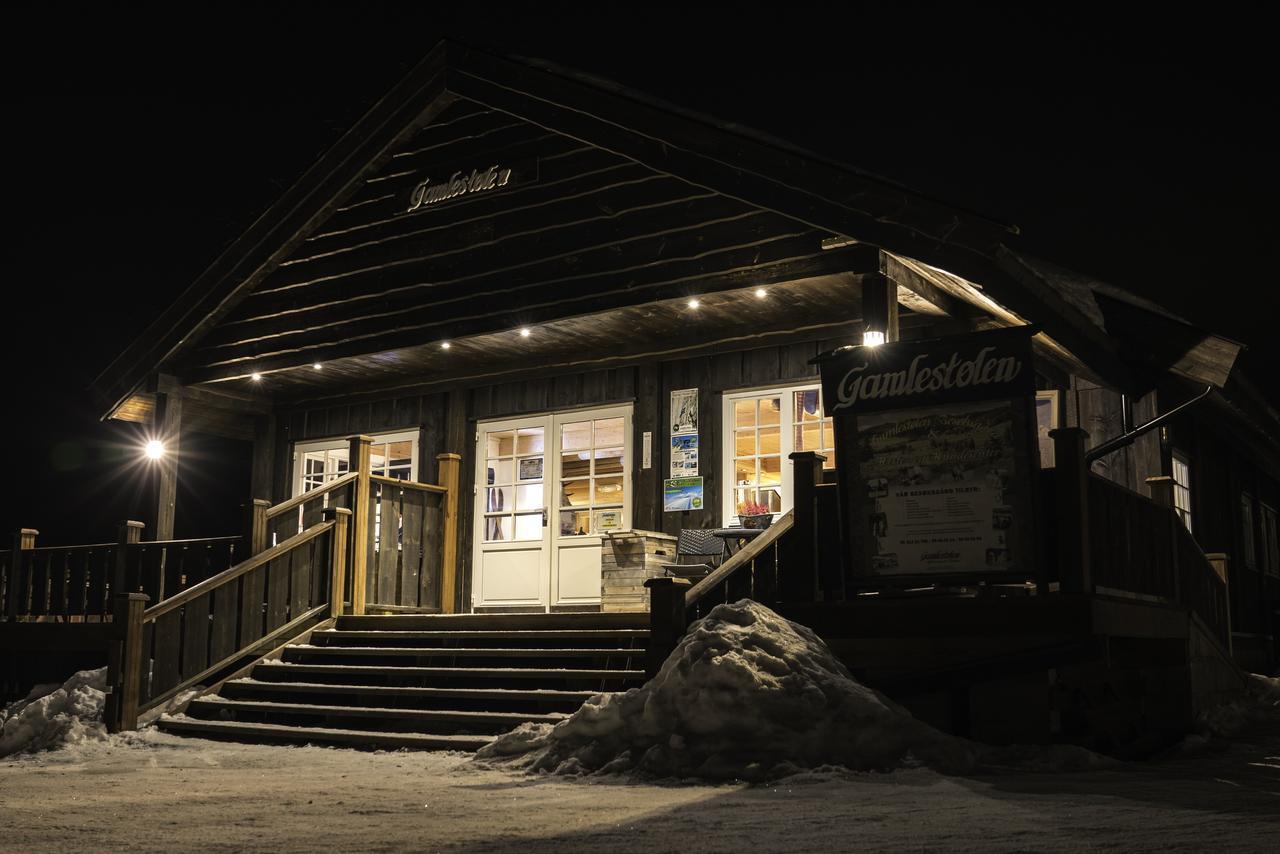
(154, 449)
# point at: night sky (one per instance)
(142, 142)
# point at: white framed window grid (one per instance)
(1182, 488)
(762, 428)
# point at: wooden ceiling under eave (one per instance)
(821, 308)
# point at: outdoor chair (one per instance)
(697, 553)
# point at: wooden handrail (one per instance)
(190, 541)
(408, 484)
(742, 558)
(236, 571)
(299, 500)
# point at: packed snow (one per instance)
(748, 695)
(1260, 706)
(52, 716)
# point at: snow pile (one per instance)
(55, 715)
(1259, 706)
(746, 695)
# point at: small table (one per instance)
(736, 538)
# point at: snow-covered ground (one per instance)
(153, 792)
(746, 696)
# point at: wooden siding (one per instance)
(594, 231)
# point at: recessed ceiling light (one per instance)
(761, 293)
(445, 345)
(257, 377)
(317, 366)
(694, 303)
(526, 332)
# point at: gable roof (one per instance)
(725, 159)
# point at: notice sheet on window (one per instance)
(938, 482)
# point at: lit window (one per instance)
(761, 431)
(592, 472)
(1182, 488)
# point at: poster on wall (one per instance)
(684, 456)
(684, 411)
(938, 482)
(681, 493)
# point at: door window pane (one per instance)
(592, 472)
(529, 526)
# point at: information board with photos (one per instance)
(937, 454)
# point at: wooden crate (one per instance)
(626, 561)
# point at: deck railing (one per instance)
(1104, 538)
(780, 565)
(171, 614)
(245, 610)
(78, 583)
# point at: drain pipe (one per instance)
(1125, 440)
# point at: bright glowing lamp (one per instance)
(694, 303)
(872, 338)
(154, 449)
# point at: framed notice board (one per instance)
(937, 457)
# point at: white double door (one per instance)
(548, 490)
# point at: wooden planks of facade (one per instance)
(591, 231)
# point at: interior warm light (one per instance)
(761, 293)
(872, 338)
(317, 366)
(445, 345)
(694, 303)
(154, 449)
(257, 377)
(524, 333)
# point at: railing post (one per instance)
(1161, 489)
(124, 671)
(1071, 485)
(16, 583)
(255, 526)
(341, 517)
(450, 469)
(668, 620)
(798, 570)
(1220, 561)
(128, 533)
(361, 491)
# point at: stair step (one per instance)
(494, 622)
(487, 698)
(532, 638)
(485, 673)
(319, 735)
(464, 652)
(217, 708)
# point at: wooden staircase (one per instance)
(426, 682)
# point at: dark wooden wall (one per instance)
(593, 231)
(647, 386)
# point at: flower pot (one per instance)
(761, 521)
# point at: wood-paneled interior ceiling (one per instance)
(594, 232)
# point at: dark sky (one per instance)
(142, 141)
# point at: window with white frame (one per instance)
(1270, 538)
(392, 455)
(1182, 488)
(762, 428)
(1247, 545)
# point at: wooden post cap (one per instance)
(28, 532)
(448, 456)
(334, 512)
(667, 581)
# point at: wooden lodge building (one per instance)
(539, 325)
